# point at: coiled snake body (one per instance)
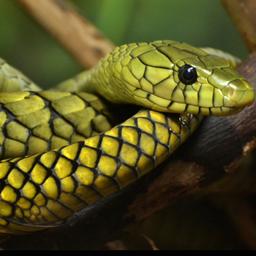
(59, 151)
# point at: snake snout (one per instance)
(239, 94)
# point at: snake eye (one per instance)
(187, 74)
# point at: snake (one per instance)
(62, 149)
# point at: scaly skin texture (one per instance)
(32, 122)
(42, 190)
(148, 74)
(12, 80)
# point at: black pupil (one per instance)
(187, 74)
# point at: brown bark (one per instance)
(242, 212)
(73, 31)
(242, 12)
(209, 162)
(216, 151)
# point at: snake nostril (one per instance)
(229, 94)
(238, 93)
(239, 98)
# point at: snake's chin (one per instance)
(227, 111)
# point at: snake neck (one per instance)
(97, 80)
(112, 77)
(80, 83)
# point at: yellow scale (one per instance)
(59, 150)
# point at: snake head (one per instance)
(176, 77)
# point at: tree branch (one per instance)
(242, 12)
(215, 151)
(73, 31)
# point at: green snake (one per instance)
(60, 149)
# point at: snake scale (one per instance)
(58, 148)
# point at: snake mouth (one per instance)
(224, 111)
(234, 101)
(207, 111)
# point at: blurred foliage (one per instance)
(25, 45)
(186, 225)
